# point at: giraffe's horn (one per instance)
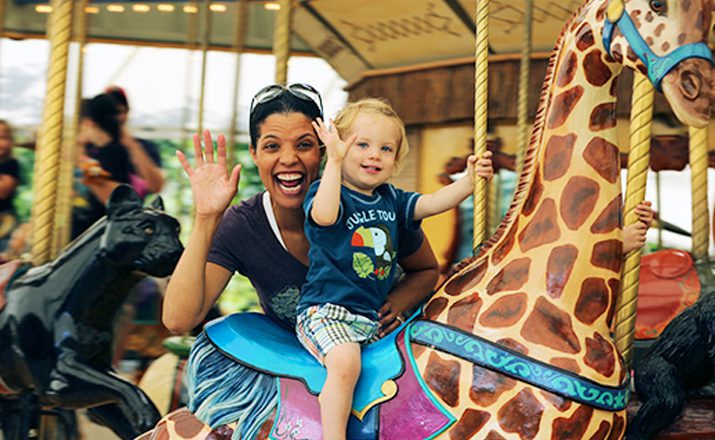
(615, 10)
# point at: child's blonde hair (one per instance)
(376, 106)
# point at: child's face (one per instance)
(5, 141)
(371, 160)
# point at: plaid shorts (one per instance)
(320, 328)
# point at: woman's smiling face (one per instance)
(287, 155)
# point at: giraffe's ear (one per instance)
(122, 200)
(157, 203)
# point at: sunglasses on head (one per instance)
(299, 90)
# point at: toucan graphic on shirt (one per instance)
(378, 239)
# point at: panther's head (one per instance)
(143, 237)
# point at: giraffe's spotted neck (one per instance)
(571, 213)
(546, 283)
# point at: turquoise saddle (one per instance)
(257, 341)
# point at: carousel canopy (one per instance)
(353, 36)
(376, 34)
(381, 47)
(156, 23)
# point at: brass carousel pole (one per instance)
(2, 23)
(638, 163)
(240, 37)
(481, 65)
(205, 41)
(63, 214)
(659, 204)
(2, 16)
(281, 40)
(191, 43)
(699, 184)
(493, 204)
(59, 31)
(49, 154)
(522, 138)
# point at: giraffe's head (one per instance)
(667, 41)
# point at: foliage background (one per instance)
(239, 295)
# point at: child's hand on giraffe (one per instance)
(634, 235)
(335, 147)
(644, 211)
(481, 168)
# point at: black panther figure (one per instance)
(679, 362)
(56, 326)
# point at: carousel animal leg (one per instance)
(707, 320)
(113, 417)
(20, 418)
(663, 398)
(75, 384)
(20, 425)
(67, 421)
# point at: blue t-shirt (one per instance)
(352, 262)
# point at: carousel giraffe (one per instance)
(545, 284)
(539, 298)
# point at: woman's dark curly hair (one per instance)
(102, 110)
(286, 102)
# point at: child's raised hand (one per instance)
(482, 168)
(335, 147)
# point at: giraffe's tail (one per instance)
(222, 391)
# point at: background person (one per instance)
(9, 180)
(103, 161)
(145, 174)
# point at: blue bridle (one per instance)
(657, 66)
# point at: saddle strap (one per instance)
(502, 360)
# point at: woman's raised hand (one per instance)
(335, 147)
(211, 184)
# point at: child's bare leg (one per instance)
(343, 365)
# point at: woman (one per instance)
(102, 159)
(146, 176)
(9, 180)
(263, 239)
